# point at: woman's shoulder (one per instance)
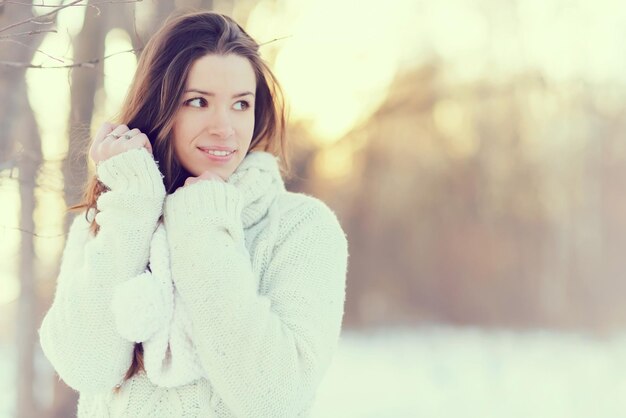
(293, 203)
(82, 218)
(80, 222)
(298, 210)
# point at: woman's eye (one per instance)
(196, 102)
(245, 104)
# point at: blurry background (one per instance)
(473, 151)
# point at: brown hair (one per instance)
(157, 87)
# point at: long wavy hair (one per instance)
(156, 90)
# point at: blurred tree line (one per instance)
(490, 203)
(497, 204)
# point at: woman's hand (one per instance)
(206, 175)
(112, 140)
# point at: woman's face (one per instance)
(216, 113)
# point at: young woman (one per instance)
(193, 284)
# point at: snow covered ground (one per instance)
(449, 373)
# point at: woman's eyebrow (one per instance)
(207, 93)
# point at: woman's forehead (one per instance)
(226, 74)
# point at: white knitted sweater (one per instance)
(239, 312)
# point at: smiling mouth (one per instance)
(216, 152)
(217, 155)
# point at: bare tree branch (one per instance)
(275, 39)
(36, 49)
(35, 19)
(31, 232)
(2, 3)
(30, 32)
(29, 4)
(87, 64)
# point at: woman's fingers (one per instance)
(206, 175)
(139, 139)
(112, 140)
(136, 141)
(190, 180)
(104, 130)
(130, 134)
(148, 146)
(116, 133)
(94, 151)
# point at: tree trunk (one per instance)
(88, 44)
(26, 131)
(18, 126)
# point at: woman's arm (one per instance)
(77, 334)
(265, 354)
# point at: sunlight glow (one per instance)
(118, 73)
(49, 95)
(454, 122)
(38, 11)
(71, 18)
(336, 74)
(334, 162)
(48, 214)
(9, 287)
(118, 69)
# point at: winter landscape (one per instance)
(444, 372)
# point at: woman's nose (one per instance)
(220, 124)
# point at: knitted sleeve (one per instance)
(265, 353)
(78, 334)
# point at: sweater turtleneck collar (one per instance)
(259, 181)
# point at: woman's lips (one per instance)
(217, 158)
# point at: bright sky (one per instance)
(341, 56)
(334, 67)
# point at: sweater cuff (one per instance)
(134, 171)
(206, 202)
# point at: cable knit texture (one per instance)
(237, 297)
(149, 310)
